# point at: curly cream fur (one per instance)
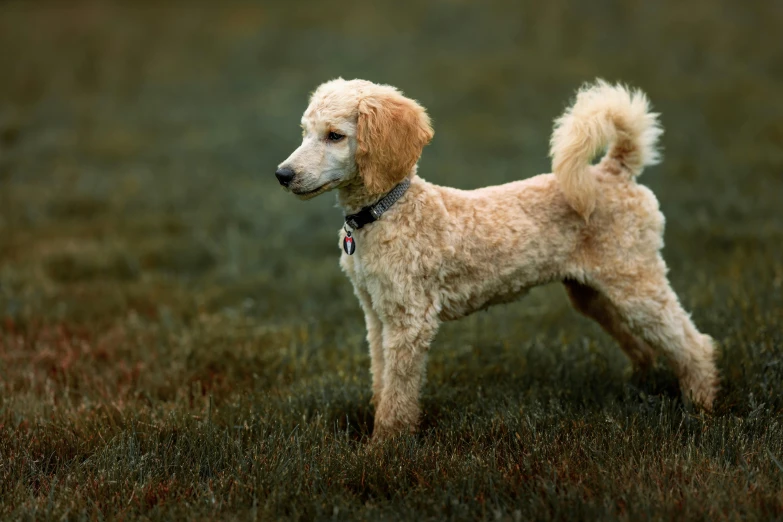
(603, 114)
(442, 253)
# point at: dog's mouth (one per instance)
(313, 193)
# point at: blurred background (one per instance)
(153, 273)
(138, 142)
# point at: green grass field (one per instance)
(177, 340)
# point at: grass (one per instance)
(176, 338)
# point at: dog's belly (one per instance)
(457, 310)
(460, 300)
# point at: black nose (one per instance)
(285, 176)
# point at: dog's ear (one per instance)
(390, 133)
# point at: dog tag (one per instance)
(349, 245)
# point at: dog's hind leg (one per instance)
(593, 304)
(650, 308)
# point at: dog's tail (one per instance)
(602, 115)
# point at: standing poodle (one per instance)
(419, 254)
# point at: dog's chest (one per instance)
(354, 265)
(386, 267)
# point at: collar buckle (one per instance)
(351, 222)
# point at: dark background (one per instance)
(171, 318)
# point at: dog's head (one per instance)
(355, 130)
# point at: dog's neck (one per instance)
(354, 196)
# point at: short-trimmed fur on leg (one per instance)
(593, 304)
(440, 253)
(651, 309)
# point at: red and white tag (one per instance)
(349, 245)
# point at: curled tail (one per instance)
(602, 115)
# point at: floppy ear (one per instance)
(390, 133)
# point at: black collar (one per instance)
(373, 212)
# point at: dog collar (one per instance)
(371, 213)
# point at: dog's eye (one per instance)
(333, 136)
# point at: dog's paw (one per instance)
(386, 431)
(382, 433)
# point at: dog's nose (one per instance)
(285, 176)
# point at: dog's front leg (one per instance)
(375, 340)
(406, 341)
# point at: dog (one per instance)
(419, 254)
